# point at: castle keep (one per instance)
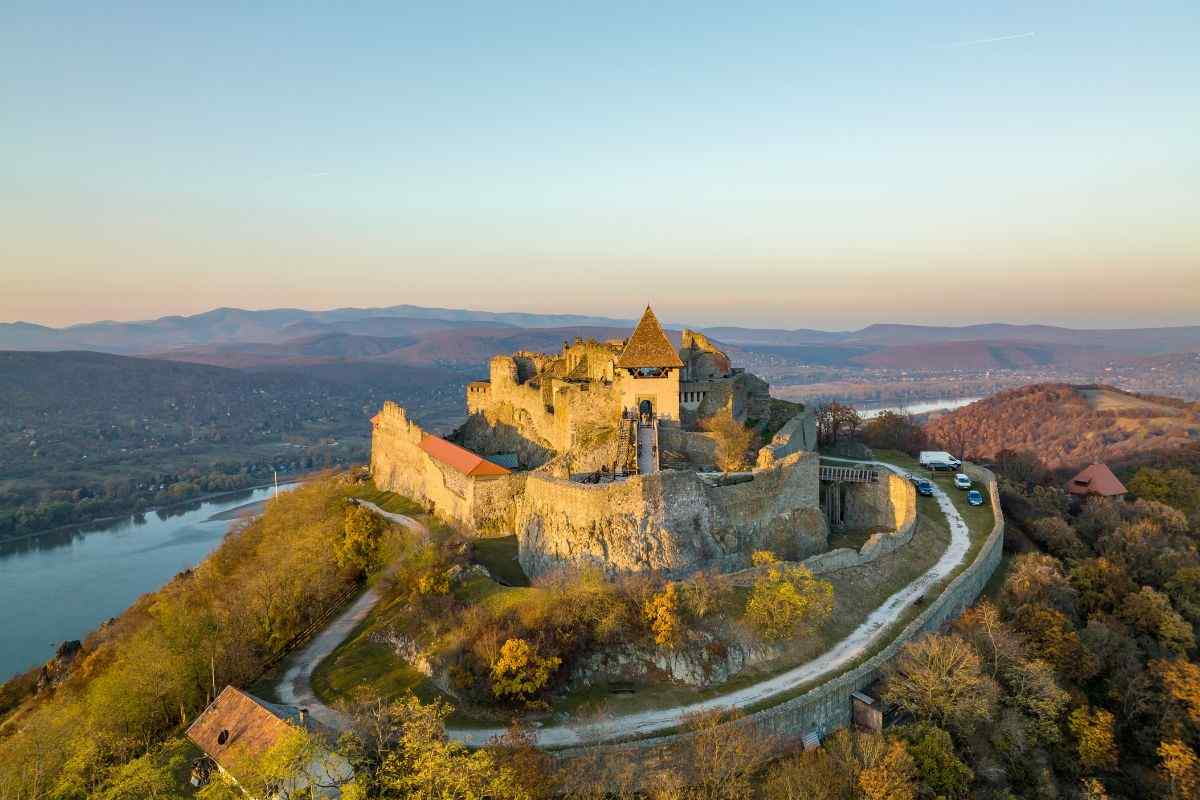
(599, 455)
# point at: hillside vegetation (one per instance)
(1070, 426)
(85, 435)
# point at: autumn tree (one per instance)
(733, 441)
(888, 771)
(1095, 739)
(359, 546)
(1180, 770)
(836, 421)
(725, 752)
(520, 673)
(1150, 612)
(892, 430)
(940, 679)
(787, 600)
(665, 616)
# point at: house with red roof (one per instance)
(1096, 479)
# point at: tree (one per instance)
(520, 673)
(724, 751)
(1151, 613)
(1102, 585)
(1037, 578)
(788, 600)
(359, 547)
(733, 441)
(1178, 488)
(812, 775)
(1180, 769)
(1020, 466)
(892, 430)
(836, 421)
(1095, 740)
(663, 613)
(1181, 683)
(940, 679)
(426, 765)
(888, 772)
(938, 766)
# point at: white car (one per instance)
(962, 481)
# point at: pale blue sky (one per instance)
(772, 163)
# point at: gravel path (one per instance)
(295, 687)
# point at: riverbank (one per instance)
(113, 518)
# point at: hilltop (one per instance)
(1070, 426)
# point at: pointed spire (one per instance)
(649, 346)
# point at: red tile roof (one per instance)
(461, 459)
(1096, 479)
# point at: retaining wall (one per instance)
(826, 708)
(895, 503)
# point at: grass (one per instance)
(388, 501)
(499, 555)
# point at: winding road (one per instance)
(296, 689)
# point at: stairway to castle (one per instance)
(647, 447)
(626, 446)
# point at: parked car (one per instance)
(962, 480)
(975, 497)
(925, 488)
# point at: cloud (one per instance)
(973, 42)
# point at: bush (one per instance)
(787, 601)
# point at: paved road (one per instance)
(295, 688)
(834, 659)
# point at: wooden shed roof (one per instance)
(238, 727)
(648, 346)
(1096, 479)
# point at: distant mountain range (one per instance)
(419, 336)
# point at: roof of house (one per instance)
(648, 346)
(1096, 479)
(238, 726)
(461, 459)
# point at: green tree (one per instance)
(938, 765)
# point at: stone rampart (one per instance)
(797, 434)
(671, 521)
(890, 503)
(826, 707)
(398, 464)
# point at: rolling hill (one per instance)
(1071, 426)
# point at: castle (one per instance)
(600, 455)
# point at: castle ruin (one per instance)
(599, 455)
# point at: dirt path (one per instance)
(837, 657)
(295, 687)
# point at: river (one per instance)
(61, 585)
(868, 411)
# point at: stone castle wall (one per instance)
(891, 503)
(671, 521)
(535, 421)
(826, 708)
(398, 464)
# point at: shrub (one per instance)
(788, 601)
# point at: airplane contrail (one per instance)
(971, 42)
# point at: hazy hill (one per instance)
(1070, 426)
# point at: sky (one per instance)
(782, 164)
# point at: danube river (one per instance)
(867, 411)
(61, 585)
